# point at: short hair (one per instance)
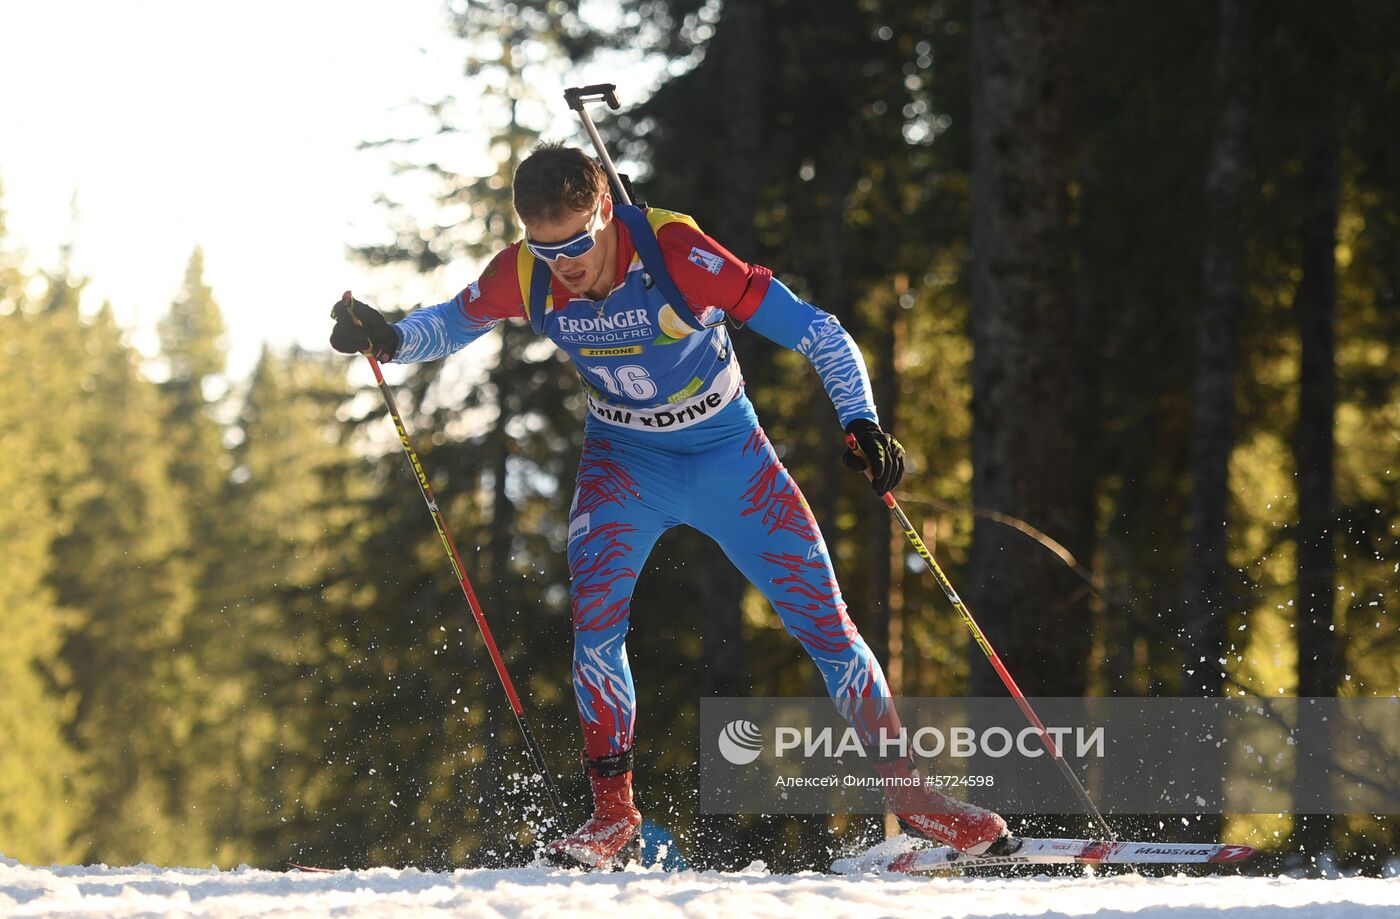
(555, 181)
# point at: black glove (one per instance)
(360, 328)
(884, 454)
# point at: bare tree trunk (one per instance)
(875, 627)
(1110, 636)
(497, 579)
(895, 541)
(1222, 294)
(1316, 305)
(1208, 573)
(1022, 332)
(1319, 665)
(739, 42)
(723, 672)
(834, 178)
(742, 31)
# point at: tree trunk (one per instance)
(738, 42)
(833, 182)
(1208, 574)
(1212, 438)
(1319, 666)
(498, 581)
(1022, 333)
(876, 624)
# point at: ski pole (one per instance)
(981, 638)
(536, 757)
(578, 98)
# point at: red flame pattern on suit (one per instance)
(813, 611)
(601, 478)
(595, 571)
(773, 494)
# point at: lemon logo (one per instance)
(673, 327)
(740, 742)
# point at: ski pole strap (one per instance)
(608, 767)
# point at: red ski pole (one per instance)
(981, 638)
(536, 757)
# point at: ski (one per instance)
(312, 868)
(904, 855)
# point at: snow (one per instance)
(144, 890)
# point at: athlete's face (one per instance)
(590, 271)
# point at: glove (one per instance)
(360, 328)
(876, 451)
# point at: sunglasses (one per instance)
(574, 246)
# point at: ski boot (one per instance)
(610, 838)
(926, 813)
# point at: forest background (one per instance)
(1125, 277)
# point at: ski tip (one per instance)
(310, 868)
(881, 858)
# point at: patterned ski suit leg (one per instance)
(757, 514)
(613, 527)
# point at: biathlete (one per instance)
(638, 298)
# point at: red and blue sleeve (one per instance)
(710, 275)
(817, 335)
(433, 332)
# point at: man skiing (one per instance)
(638, 299)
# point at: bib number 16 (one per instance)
(629, 381)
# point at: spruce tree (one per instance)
(42, 804)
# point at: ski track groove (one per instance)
(75, 892)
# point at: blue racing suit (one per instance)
(671, 439)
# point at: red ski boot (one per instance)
(928, 813)
(610, 838)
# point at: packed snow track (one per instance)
(143, 890)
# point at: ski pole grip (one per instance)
(854, 446)
(579, 96)
(346, 300)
